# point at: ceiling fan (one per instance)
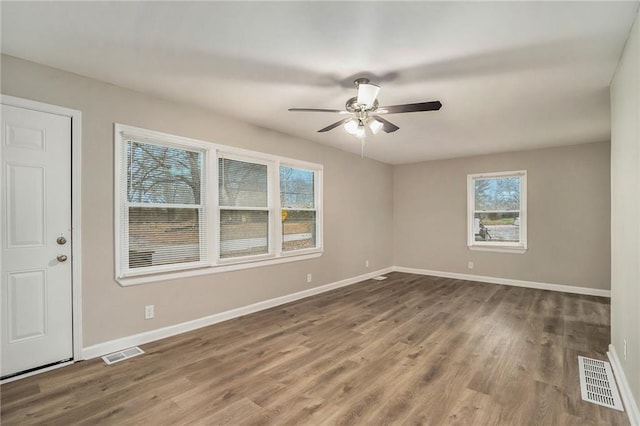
(365, 113)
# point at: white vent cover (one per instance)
(598, 384)
(122, 355)
(380, 278)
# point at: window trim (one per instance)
(497, 246)
(212, 262)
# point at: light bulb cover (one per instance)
(367, 94)
(351, 126)
(375, 125)
(360, 132)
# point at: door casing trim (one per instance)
(76, 204)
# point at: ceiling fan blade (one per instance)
(367, 94)
(339, 111)
(334, 125)
(387, 126)
(421, 106)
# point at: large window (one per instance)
(191, 207)
(497, 211)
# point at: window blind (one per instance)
(244, 208)
(164, 210)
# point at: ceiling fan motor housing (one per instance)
(352, 105)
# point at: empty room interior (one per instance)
(311, 213)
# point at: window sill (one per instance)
(150, 278)
(499, 249)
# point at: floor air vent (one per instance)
(122, 355)
(598, 384)
(380, 278)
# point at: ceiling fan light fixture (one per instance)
(375, 125)
(367, 94)
(365, 111)
(351, 126)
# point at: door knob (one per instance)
(62, 257)
(61, 240)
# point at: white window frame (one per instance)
(497, 246)
(269, 208)
(317, 201)
(211, 263)
(124, 133)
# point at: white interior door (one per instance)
(36, 305)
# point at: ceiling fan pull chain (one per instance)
(362, 148)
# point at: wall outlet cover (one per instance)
(149, 312)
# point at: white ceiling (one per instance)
(511, 75)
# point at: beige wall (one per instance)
(568, 216)
(357, 206)
(625, 210)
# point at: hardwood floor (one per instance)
(407, 350)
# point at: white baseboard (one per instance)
(627, 397)
(104, 348)
(507, 281)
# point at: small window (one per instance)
(244, 208)
(298, 208)
(497, 212)
(164, 207)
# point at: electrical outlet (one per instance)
(625, 350)
(470, 265)
(366, 263)
(149, 312)
(309, 278)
